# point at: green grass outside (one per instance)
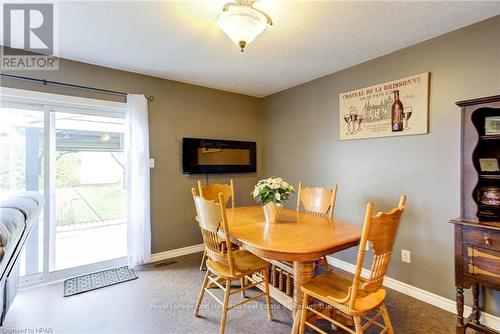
(108, 202)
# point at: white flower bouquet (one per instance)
(272, 190)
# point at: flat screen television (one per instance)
(217, 156)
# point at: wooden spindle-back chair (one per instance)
(225, 264)
(351, 294)
(209, 219)
(211, 193)
(317, 201)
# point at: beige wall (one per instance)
(179, 110)
(301, 135)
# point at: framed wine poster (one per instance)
(395, 108)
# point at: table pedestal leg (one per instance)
(302, 273)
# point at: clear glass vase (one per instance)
(271, 212)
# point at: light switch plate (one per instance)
(151, 163)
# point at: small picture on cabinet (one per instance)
(492, 125)
(489, 165)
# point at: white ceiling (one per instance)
(180, 40)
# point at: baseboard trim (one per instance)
(420, 294)
(176, 252)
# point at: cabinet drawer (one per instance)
(482, 263)
(483, 238)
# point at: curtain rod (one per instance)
(150, 98)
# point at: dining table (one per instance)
(297, 237)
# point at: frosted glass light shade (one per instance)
(242, 24)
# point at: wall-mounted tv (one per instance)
(214, 156)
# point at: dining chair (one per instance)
(352, 295)
(225, 264)
(317, 201)
(211, 193)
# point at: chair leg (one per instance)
(268, 297)
(243, 284)
(303, 314)
(327, 267)
(357, 325)
(224, 307)
(387, 319)
(203, 259)
(202, 293)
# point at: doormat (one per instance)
(97, 280)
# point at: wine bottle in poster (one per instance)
(397, 113)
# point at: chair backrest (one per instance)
(380, 231)
(317, 201)
(211, 191)
(211, 217)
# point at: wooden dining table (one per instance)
(297, 237)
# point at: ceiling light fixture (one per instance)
(242, 22)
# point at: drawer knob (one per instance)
(488, 240)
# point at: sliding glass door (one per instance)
(72, 151)
(90, 190)
(21, 168)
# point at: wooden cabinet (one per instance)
(477, 263)
(477, 231)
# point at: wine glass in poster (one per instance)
(406, 115)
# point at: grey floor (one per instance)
(161, 301)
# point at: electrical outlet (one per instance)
(405, 256)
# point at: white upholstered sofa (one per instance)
(18, 215)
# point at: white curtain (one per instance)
(137, 147)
